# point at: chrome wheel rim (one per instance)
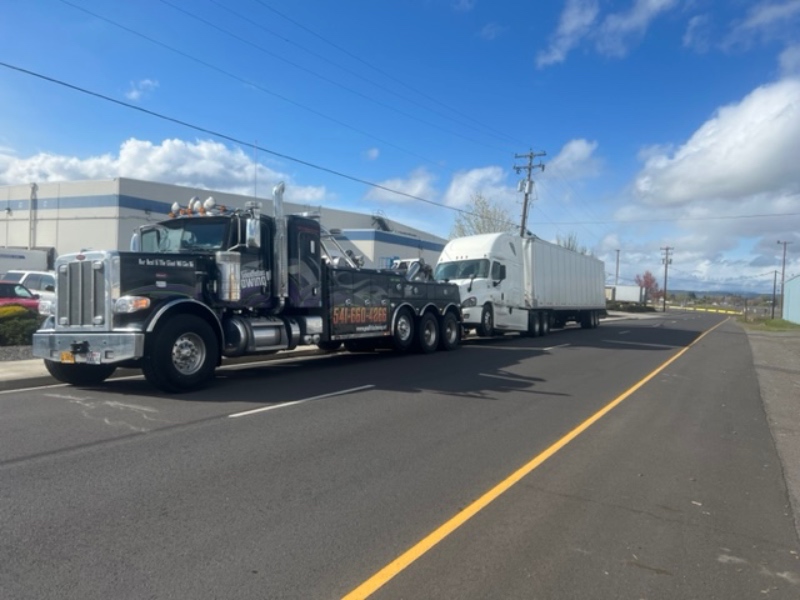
(188, 353)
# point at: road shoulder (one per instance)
(776, 357)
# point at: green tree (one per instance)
(481, 216)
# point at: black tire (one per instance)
(533, 324)
(544, 324)
(79, 374)
(486, 326)
(403, 330)
(450, 332)
(586, 320)
(329, 346)
(427, 333)
(181, 355)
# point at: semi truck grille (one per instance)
(81, 289)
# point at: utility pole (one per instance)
(616, 276)
(526, 185)
(783, 273)
(774, 285)
(667, 262)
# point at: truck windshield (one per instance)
(462, 269)
(186, 235)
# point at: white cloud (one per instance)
(491, 31)
(203, 163)
(419, 184)
(697, 36)
(463, 5)
(138, 89)
(745, 149)
(613, 37)
(766, 20)
(620, 30)
(789, 61)
(372, 154)
(576, 160)
(575, 23)
(490, 182)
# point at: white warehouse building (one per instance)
(103, 214)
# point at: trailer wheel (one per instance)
(586, 319)
(486, 327)
(403, 331)
(181, 355)
(79, 374)
(427, 333)
(450, 336)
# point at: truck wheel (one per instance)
(181, 355)
(427, 333)
(486, 327)
(533, 324)
(544, 324)
(403, 331)
(79, 374)
(450, 336)
(586, 320)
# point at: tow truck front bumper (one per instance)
(88, 347)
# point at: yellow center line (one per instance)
(399, 564)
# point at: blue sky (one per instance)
(665, 122)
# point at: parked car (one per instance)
(42, 283)
(12, 292)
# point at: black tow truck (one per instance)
(209, 283)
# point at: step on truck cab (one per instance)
(209, 283)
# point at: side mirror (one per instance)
(49, 288)
(35, 296)
(253, 233)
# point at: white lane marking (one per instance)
(284, 405)
(554, 347)
(624, 343)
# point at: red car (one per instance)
(16, 293)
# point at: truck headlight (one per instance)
(471, 301)
(47, 308)
(131, 304)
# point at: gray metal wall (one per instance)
(72, 216)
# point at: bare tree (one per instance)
(482, 216)
(570, 242)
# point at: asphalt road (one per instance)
(667, 484)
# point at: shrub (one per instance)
(17, 325)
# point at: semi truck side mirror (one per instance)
(253, 233)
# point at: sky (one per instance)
(659, 123)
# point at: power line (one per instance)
(232, 139)
(323, 77)
(246, 81)
(374, 68)
(356, 74)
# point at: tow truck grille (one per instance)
(81, 294)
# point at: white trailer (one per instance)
(627, 293)
(523, 284)
(21, 259)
